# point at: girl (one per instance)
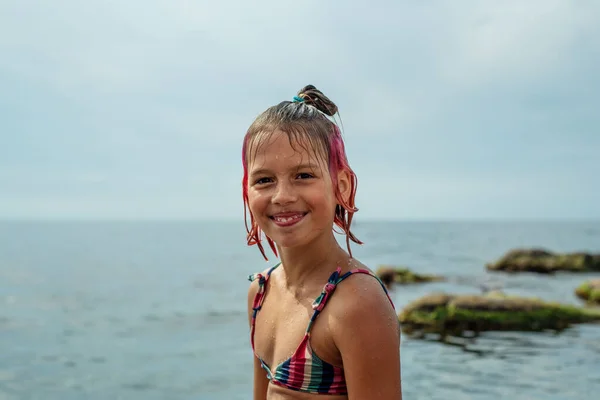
(321, 323)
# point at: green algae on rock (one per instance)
(454, 315)
(589, 291)
(545, 262)
(389, 274)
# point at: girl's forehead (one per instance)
(280, 148)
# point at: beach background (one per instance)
(156, 310)
(472, 126)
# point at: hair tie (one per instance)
(298, 99)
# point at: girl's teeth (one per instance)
(287, 219)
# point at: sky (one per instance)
(451, 109)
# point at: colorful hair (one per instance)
(303, 120)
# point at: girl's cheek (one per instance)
(256, 198)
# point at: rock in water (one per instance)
(545, 262)
(389, 275)
(453, 315)
(589, 291)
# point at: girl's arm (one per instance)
(367, 334)
(261, 382)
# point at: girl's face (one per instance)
(290, 192)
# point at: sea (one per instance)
(112, 310)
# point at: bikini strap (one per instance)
(321, 300)
(259, 297)
(330, 286)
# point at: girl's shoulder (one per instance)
(365, 329)
(360, 294)
(364, 326)
(360, 280)
(263, 275)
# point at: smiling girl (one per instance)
(321, 323)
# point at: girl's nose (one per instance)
(284, 193)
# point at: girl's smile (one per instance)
(286, 219)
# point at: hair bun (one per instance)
(314, 97)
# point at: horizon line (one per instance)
(355, 221)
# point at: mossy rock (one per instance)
(545, 262)
(453, 315)
(403, 276)
(589, 291)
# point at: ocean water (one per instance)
(156, 310)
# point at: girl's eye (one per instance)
(305, 175)
(262, 181)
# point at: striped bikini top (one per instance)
(304, 371)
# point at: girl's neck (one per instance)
(303, 265)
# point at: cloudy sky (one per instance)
(451, 109)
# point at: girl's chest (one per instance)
(281, 326)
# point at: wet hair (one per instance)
(306, 123)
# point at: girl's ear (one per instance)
(344, 185)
